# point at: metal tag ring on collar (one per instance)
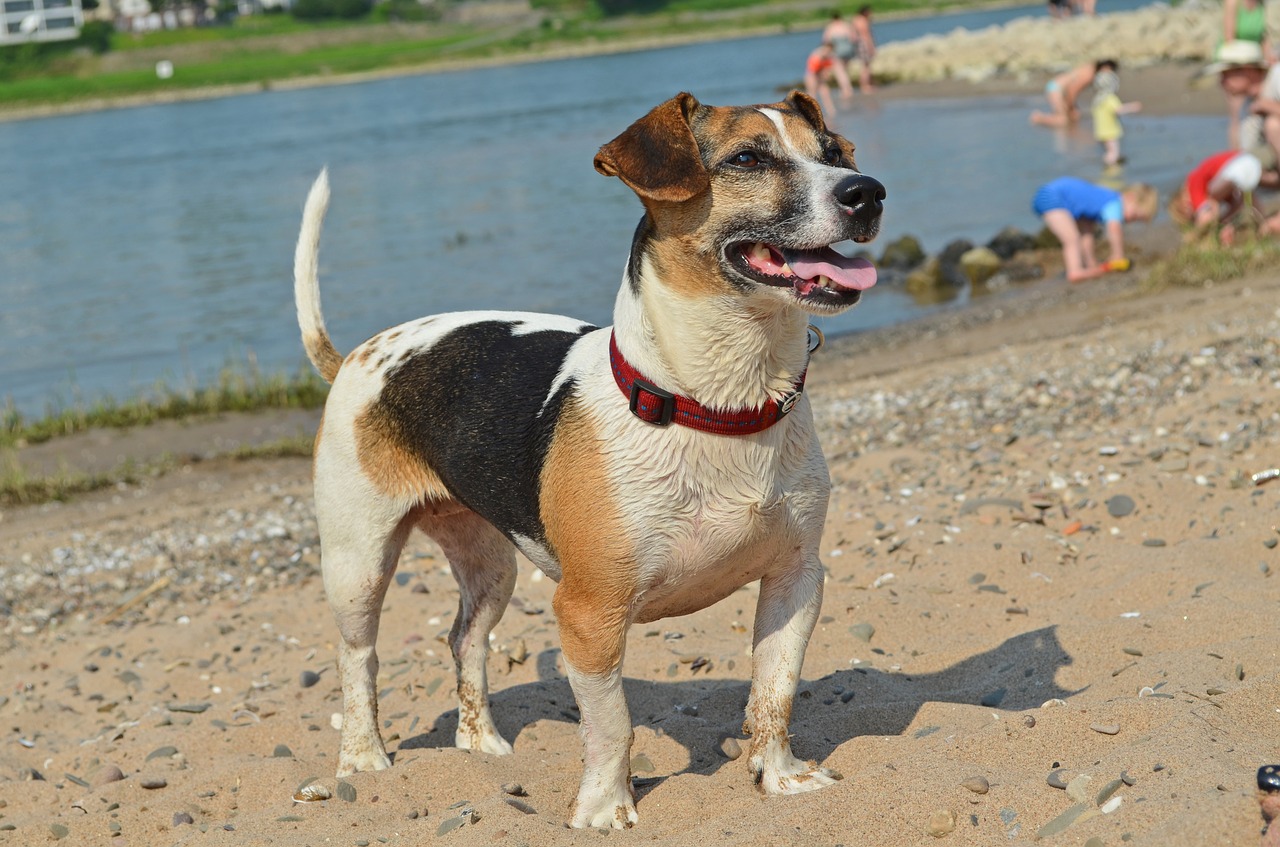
(816, 339)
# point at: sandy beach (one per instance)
(1050, 612)
(1047, 565)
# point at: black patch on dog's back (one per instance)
(469, 405)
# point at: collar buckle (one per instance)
(666, 403)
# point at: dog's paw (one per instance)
(793, 777)
(489, 742)
(605, 812)
(366, 760)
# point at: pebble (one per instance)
(1153, 542)
(1057, 778)
(308, 678)
(30, 775)
(1107, 790)
(1078, 788)
(180, 818)
(106, 774)
(731, 748)
(1062, 821)
(1105, 728)
(941, 823)
(640, 763)
(977, 784)
(162, 752)
(1269, 777)
(190, 708)
(153, 782)
(345, 791)
(862, 631)
(1120, 505)
(994, 698)
(515, 789)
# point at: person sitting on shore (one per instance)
(1065, 89)
(1072, 208)
(1215, 191)
(1107, 109)
(839, 33)
(818, 70)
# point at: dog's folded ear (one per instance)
(657, 156)
(808, 108)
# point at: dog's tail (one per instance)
(306, 282)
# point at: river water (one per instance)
(154, 245)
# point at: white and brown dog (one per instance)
(651, 468)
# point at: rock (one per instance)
(1010, 241)
(153, 782)
(862, 631)
(993, 699)
(949, 262)
(1046, 240)
(181, 818)
(282, 751)
(1057, 778)
(1120, 505)
(905, 254)
(308, 678)
(1105, 728)
(926, 278)
(1062, 821)
(941, 823)
(30, 775)
(977, 784)
(1078, 788)
(731, 748)
(106, 774)
(979, 264)
(514, 789)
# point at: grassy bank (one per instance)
(265, 50)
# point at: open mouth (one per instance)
(818, 276)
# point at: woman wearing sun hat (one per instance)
(1240, 66)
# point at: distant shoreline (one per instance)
(556, 53)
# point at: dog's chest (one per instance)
(718, 515)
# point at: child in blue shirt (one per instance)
(1072, 209)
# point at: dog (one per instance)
(650, 469)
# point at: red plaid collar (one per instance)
(651, 404)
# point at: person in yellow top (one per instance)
(1107, 109)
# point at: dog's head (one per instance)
(748, 201)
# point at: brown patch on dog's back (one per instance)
(586, 532)
(392, 467)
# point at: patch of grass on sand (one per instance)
(17, 488)
(234, 391)
(1200, 264)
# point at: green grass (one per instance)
(234, 391)
(1204, 263)
(18, 488)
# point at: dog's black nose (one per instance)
(862, 195)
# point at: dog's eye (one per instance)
(745, 159)
(830, 155)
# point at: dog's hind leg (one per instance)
(484, 564)
(360, 548)
(785, 616)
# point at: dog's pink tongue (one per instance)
(844, 271)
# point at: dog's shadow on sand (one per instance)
(700, 713)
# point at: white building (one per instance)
(39, 20)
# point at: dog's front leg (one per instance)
(785, 616)
(593, 639)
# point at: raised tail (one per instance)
(306, 282)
